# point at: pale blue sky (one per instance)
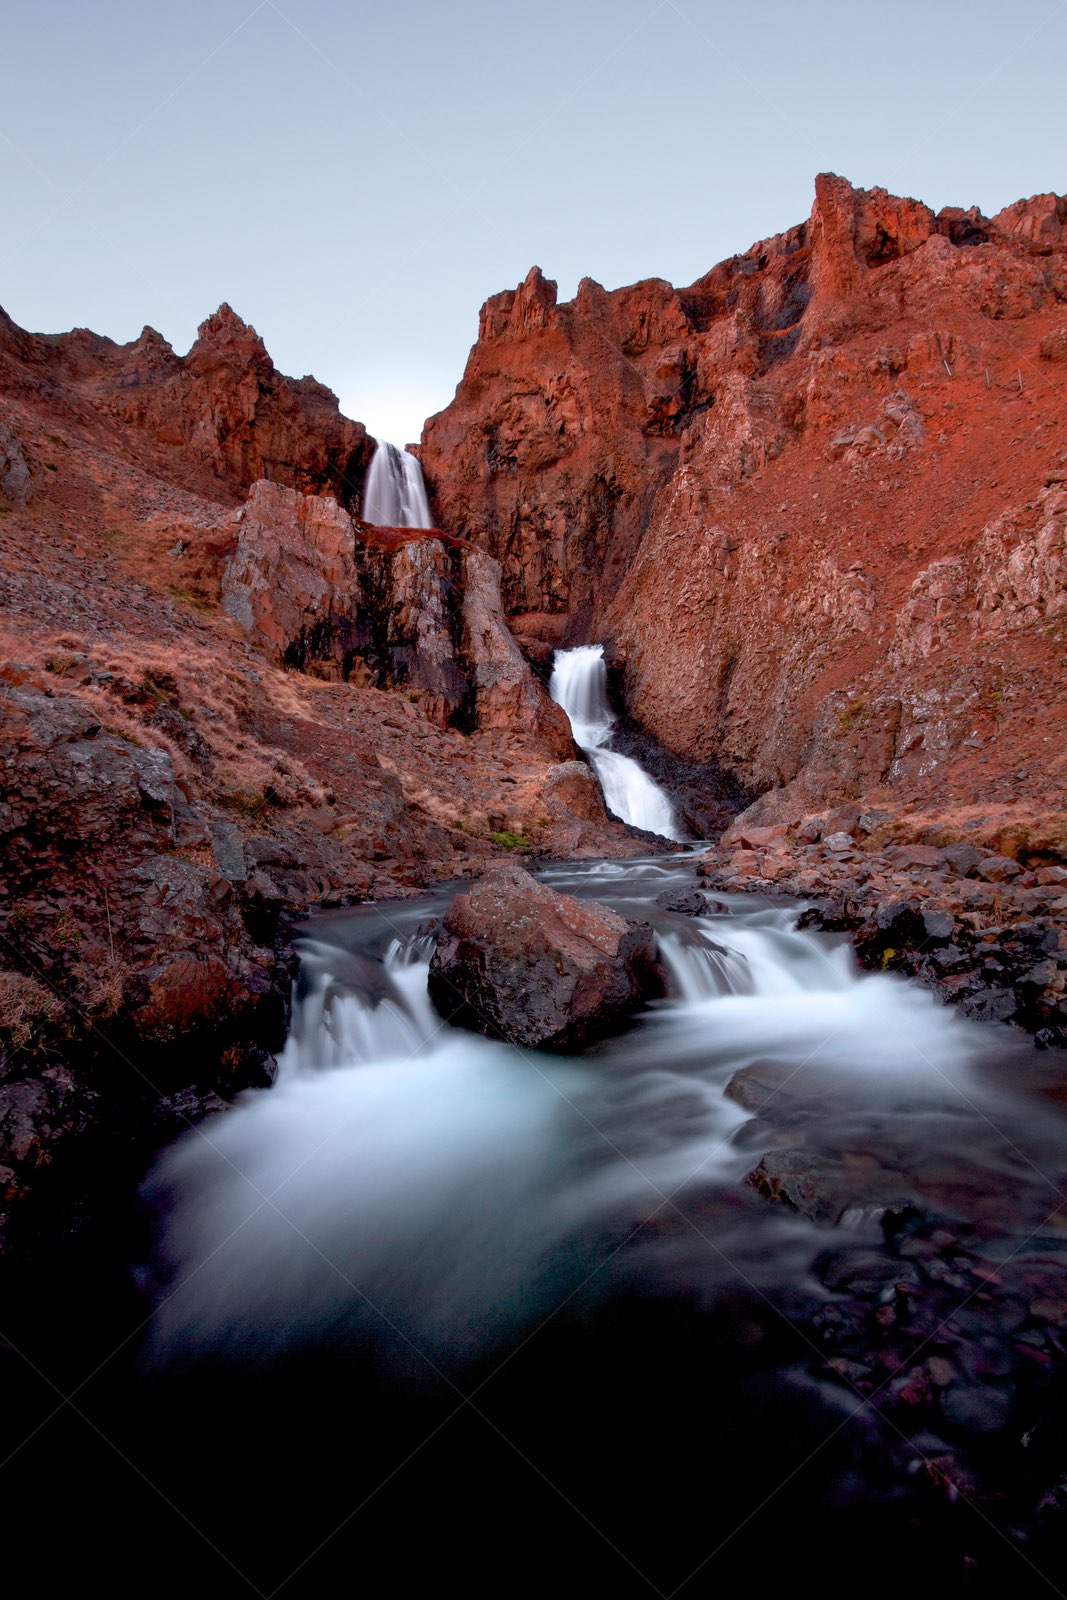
(356, 178)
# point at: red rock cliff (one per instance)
(814, 502)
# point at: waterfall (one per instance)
(580, 685)
(395, 494)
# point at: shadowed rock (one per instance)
(520, 962)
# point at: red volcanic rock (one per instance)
(1040, 221)
(293, 565)
(420, 612)
(517, 961)
(218, 418)
(507, 695)
(814, 504)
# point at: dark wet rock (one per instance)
(685, 902)
(792, 1178)
(752, 1088)
(519, 961)
(990, 1005)
(865, 1273)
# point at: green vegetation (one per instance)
(510, 841)
(66, 931)
(848, 716)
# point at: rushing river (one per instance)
(437, 1311)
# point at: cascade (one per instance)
(461, 1183)
(395, 493)
(580, 685)
(413, 1210)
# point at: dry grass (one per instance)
(32, 1019)
(125, 684)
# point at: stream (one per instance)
(438, 1309)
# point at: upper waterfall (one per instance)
(580, 685)
(395, 494)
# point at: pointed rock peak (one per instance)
(590, 294)
(225, 333)
(535, 286)
(225, 319)
(852, 229)
(224, 326)
(150, 339)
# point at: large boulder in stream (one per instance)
(518, 961)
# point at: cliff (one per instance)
(814, 503)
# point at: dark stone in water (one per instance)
(792, 1178)
(977, 1410)
(521, 962)
(686, 902)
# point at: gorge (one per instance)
(735, 614)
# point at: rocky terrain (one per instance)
(224, 701)
(814, 505)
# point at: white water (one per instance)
(580, 685)
(395, 493)
(403, 1175)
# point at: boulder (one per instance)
(518, 961)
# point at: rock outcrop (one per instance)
(314, 588)
(214, 420)
(520, 962)
(224, 701)
(813, 503)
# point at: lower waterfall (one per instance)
(580, 685)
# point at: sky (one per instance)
(357, 178)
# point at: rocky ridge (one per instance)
(835, 464)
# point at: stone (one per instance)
(746, 837)
(15, 478)
(517, 961)
(998, 869)
(791, 1178)
(962, 858)
(684, 902)
(917, 855)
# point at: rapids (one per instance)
(465, 1185)
(434, 1306)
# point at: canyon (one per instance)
(813, 506)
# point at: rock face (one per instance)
(216, 419)
(518, 961)
(315, 589)
(814, 504)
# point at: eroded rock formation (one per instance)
(813, 503)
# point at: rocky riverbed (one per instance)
(984, 924)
